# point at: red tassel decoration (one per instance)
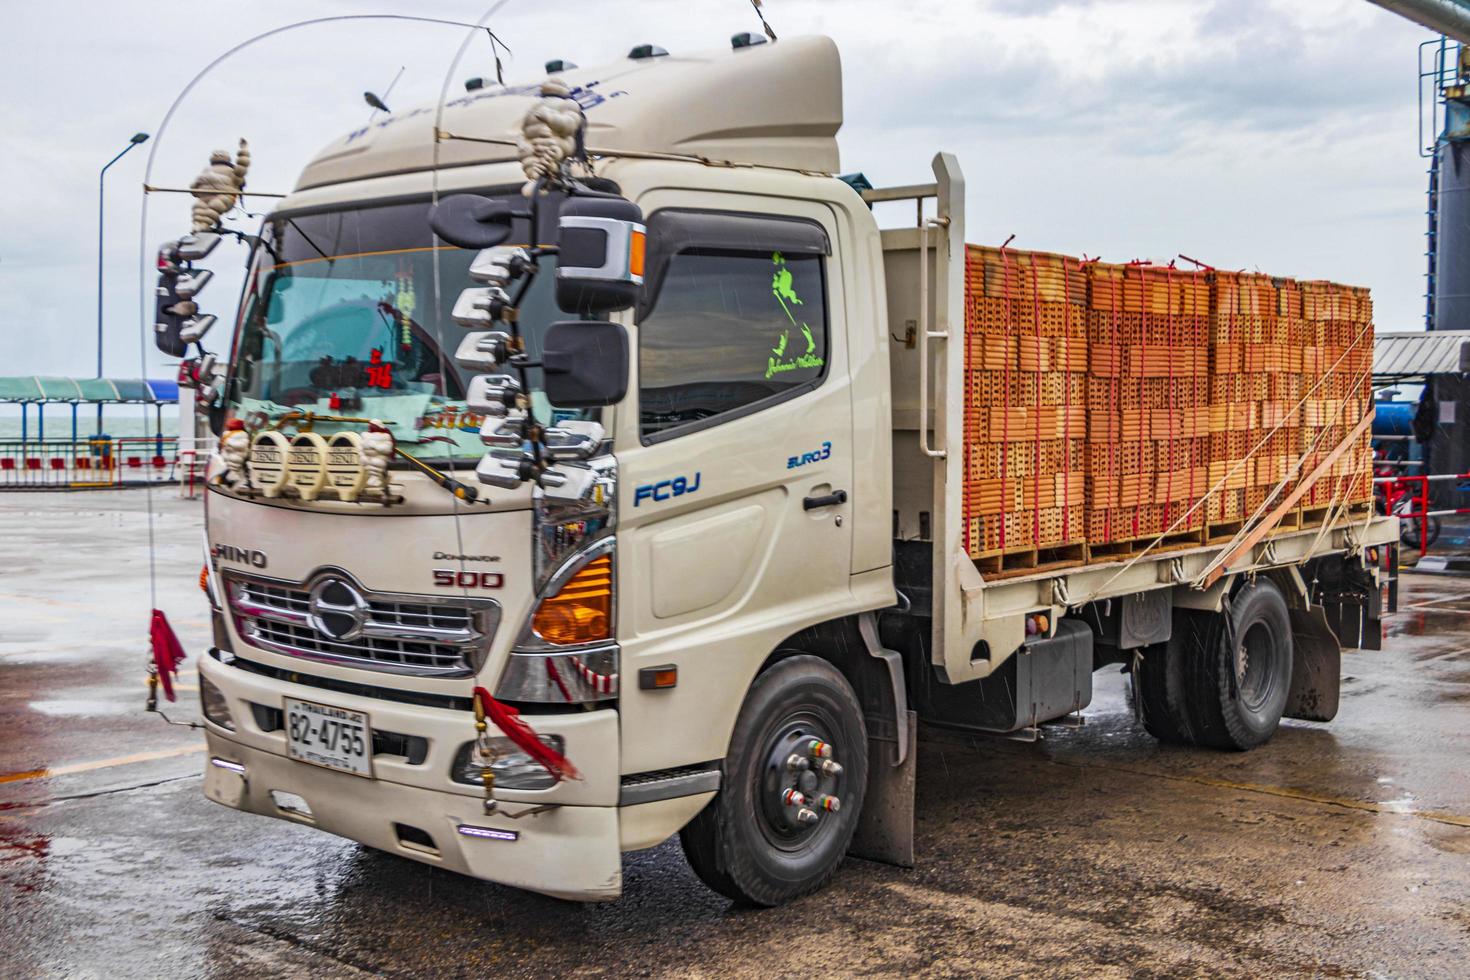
(167, 653)
(508, 720)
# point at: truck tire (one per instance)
(1236, 696)
(1159, 692)
(749, 843)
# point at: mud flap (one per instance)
(885, 831)
(1316, 667)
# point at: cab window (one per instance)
(731, 331)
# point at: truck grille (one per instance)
(332, 619)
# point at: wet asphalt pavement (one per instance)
(1340, 850)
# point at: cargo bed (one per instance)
(980, 599)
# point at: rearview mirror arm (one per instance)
(531, 429)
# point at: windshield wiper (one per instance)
(307, 238)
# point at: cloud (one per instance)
(1278, 133)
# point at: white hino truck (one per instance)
(582, 482)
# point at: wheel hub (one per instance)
(1254, 676)
(800, 788)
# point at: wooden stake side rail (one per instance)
(1264, 527)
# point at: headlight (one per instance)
(513, 769)
(581, 610)
(215, 707)
(566, 653)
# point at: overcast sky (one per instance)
(1271, 134)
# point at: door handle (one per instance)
(825, 500)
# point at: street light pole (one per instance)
(136, 140)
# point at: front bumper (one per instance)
(571, 850)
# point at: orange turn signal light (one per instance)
(658, 678)
(581, 611)
(637, 244)
(204, 579)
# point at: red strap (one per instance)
(1145, 432)
(1115, 431)
(1036, 431)
(508, 720)
(1005, 411)
(1169, 463)
(1066, 347)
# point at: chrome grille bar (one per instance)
(423, 635)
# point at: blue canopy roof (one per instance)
(34, 388)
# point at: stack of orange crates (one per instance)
(1148, 405)
(1110, 408)
(1025, 414)
(1256, 378)
(1337, 334)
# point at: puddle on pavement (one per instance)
(74, 707)
(30, 657)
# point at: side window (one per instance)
(730, 330)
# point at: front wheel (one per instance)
(793, 788)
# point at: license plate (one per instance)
(332, 737)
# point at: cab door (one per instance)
(735, 459)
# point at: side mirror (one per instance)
(493, 395)
(195, 247)
(585, 363)
(472, 221)
(196, 327)
(600, 258)
(573, 439)
(483, 350)
(480, 306)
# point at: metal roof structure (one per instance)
(30, 388)
(1416, 353)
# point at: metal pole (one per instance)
(101, 188)
(1445, 16)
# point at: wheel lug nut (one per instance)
(793, 797)
(830, 767)
(797, 762)
(806, 816)
(819, 749)
(830, 803)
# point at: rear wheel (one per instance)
(1199, 689)
(1237, 678)
(1158, 689)
(792, 791)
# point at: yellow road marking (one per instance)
(124, 760)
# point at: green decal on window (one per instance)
(784, 289)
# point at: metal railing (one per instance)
(1406, 496)
(88, 463)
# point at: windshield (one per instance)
(340, 318)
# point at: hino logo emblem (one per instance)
(245, 556)
(336, 609)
